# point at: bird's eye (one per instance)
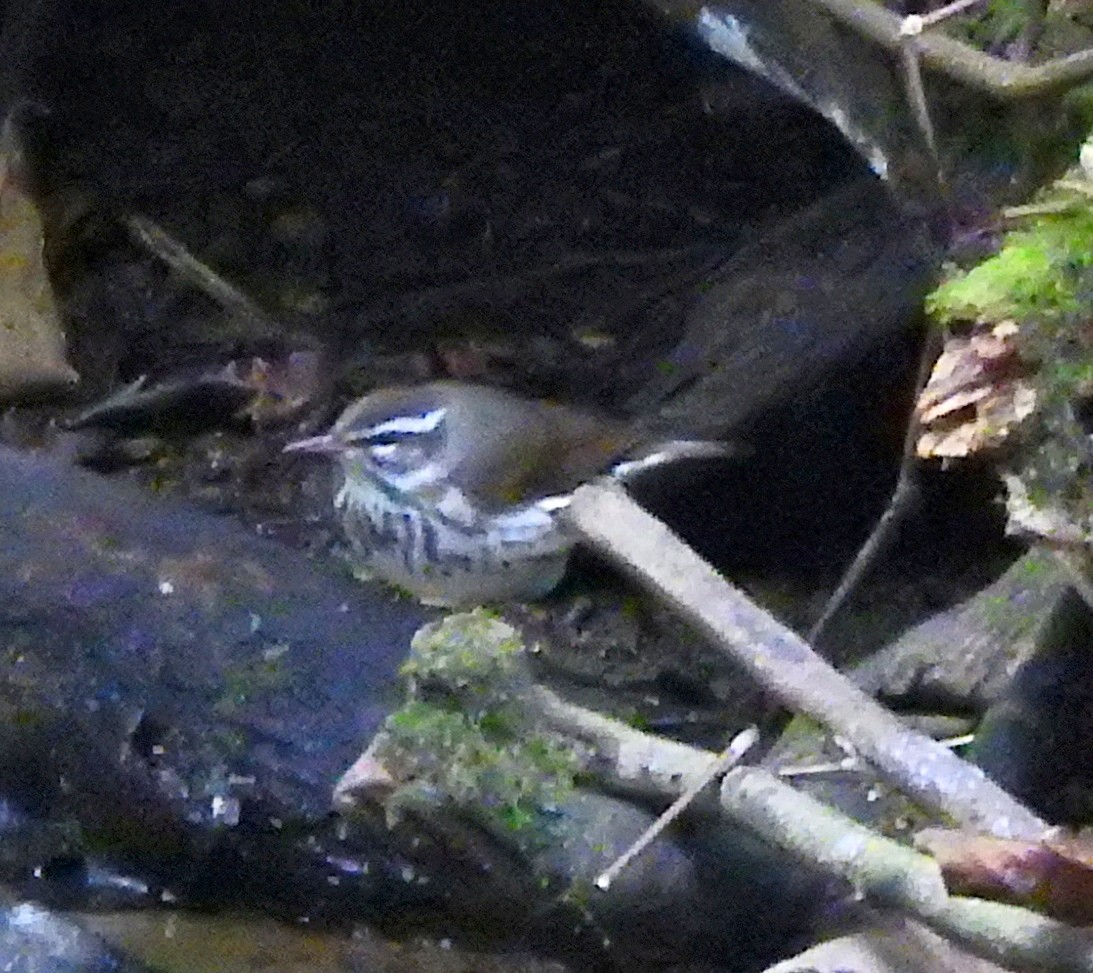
(394, 457)
(405, 465)
(400, 445)
(399, 455)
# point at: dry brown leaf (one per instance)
(283, 387)
(1053, 875)
(976, 396)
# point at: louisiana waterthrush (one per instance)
(452, 491)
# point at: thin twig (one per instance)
(852, 763)
(1083, 186)
(740, 745)
(161, 244)
(942, 14)
(1050, 208)
(920, 109)
(903, 498)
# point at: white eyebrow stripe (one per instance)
(408, 425)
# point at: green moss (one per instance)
(1008, 617)
(465, 734)
(1001, 21)
(1035, 568)
(636, 719)
(473, 656)
(1041, 270)
(510, 782)
(1068, 375)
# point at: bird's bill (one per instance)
(327, 444)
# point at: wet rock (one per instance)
(963, 658)
(178, 697)
(35, 940)
(1035, 737)
(187, 693)
(819, 292)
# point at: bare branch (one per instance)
(157, 241)
(786, 665)
(1005, 80)
(884, 870)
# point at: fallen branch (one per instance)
(158, 242)
(1006, 80)
(638, 764)
(1014, 937)
(786, 665)
(884, 870)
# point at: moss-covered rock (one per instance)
(1043, 269)
(1042, 280)
(464, 736)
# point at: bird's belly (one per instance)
(516, 556)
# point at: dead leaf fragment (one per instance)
(976, 397)
(1053, 875)
(282, 387)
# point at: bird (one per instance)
(452, 491)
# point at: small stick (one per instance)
(1082, 186)
(150, 235)
(740, 745)
(902, 498)
(915, 24)
(920, 109)
(1051, 207)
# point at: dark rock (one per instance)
(178, 697)
(188, 692)
(821, 291)
(804, 346)
(963, 658)
(1035, 737)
